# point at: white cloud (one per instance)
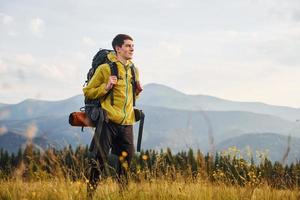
(7, 24)
(170, 49)
(52, 71)
(232, 33)
(6, 19)
(37, 26)
(187, 46)
(80, 55)
(279, 88)
(25, 59)
(3, 67)
(12, 33)
(88, 41)
(61, 72)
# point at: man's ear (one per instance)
(117, 48)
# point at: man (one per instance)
(117, 133)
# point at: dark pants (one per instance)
(118, 138)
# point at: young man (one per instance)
(117, 133)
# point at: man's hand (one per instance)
(139, 88)
(111, 82)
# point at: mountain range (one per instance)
(173, 119)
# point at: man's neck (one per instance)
(122, 60)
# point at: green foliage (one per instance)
(231, 169)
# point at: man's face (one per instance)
(126, 50)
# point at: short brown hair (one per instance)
(119, 40)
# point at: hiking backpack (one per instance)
(92, 106)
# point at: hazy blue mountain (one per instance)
(163, 128)
(173, 119)
(182, 129)
(55, 129)
(273, 145)
(10, 141)
(153, 95)
(31, 108)
(163, 96)
(2, 105)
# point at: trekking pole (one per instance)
(141, 126)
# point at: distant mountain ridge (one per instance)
(177, 129)
(31, 108)
(2, 105)
(275, 148)
(163, 96)
(12, 140)
(153, 95)
(173, 119)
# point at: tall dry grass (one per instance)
(155, 189)
(62, 175)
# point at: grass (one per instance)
(153, 176)
(152, 189)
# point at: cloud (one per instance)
(37, 26)
(284, 10)
(3, 67)
(25, 59)
(33, 69)
(62, 72)
(6, 19)
(171, 49)
(278, 88)
(88, 41)
(7, 24)
(53, 71)
(17, 67)
(12, 33)
(215, 46)
(296, 15)
(80, 55)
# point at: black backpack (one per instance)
(92, 106)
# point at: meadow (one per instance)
(61, 174)
(154, 189)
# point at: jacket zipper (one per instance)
(126, 96)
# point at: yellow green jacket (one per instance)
(122, 110)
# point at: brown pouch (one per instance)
(80, 119)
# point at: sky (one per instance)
(237, 50)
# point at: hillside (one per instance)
(274, 145)
(163, 96)
(173, 119)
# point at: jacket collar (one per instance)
(113, 58)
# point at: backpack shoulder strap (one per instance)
(113, 69)
(133, 82)
(114, 72)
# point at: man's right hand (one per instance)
(111, 82)
(139, 88)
